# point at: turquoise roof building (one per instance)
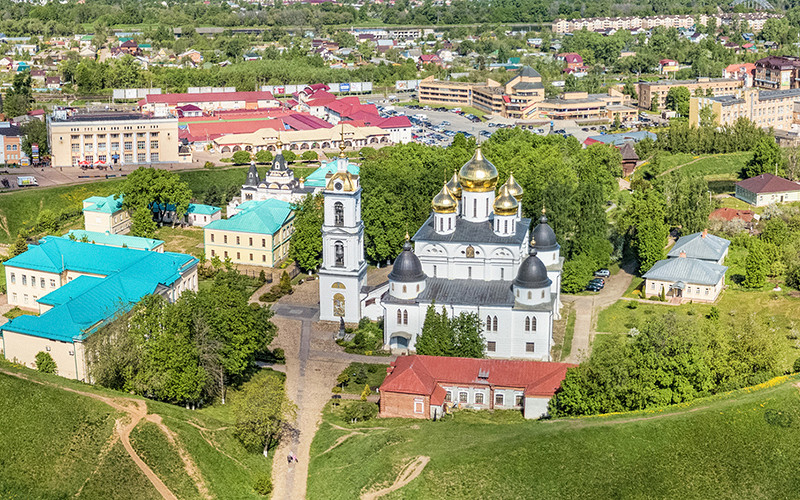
(115, 240)
(103, 204)
(199, 209)
(262, 217)
(120, 277)
(318, 178)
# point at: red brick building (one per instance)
(425, 386)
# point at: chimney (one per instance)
(705, 233)
(682, 254)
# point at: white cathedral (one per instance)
(474, 254)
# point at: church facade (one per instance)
(474, 254)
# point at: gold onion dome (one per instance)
(346, 179)
(513, 187)
(478, 174)
(505, 203)
(454, 186)
(444, 202)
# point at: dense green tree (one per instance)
(142, 223)
(678, 100)
(649, 228)
(755, 275)
(306, 244)
(260, 409)
(264, 156)
(45, 363)
(458, 336)
(688, 202)
(19, 246)
(156, 189)
(767, 158)
(309, 156)
(35, 133)
(241, 157)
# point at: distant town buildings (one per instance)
(167, 104)
(765, 108)
(777, 73)
(755, 22)
(657, 91)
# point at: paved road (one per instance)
(587, 307)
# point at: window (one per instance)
(24, 280)
(502, 273)
(706, 291)
(141, 157)
(238, 256)
(533, 324)
(419, 406)
(474, 209)
(469, 272)
(463, 397)
(251, 241)
(128, 158)
(251, 256)
(115, 146)
(488, 323)
(434, 271)
(101, 158)
(494, 324)
(530, 295)
(498, 399)
(529, 347)
(13, 278)
(212, 237)
(405, 289)
(491, 346)
(52, 283)
(226, 254)
(153, 156)
(14, 296)
(338, 252)
(447, 397)
(338, 213)
(76, 148)
(237, 240)
(518, 400)
(405, 316)
(128, 145)
(263, 242)
(213, 252)
(225, 238)
(41, 283)
(25, 298)
(478, 398)
(527, 324)
(154, 144)
(263, 258)
(140, 145)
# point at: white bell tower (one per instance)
(344, 269)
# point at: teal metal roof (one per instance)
(115, 239)
(317, 177)
(86, 303)
(697, 246)
(691, 271)
(104, 204)
(262, 217)
(196, 208)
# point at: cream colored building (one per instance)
(754, 20)
(76, 288)
(324, 139)
(258, 234)
(765, 108)
(585, 106)
(103, 214)
(649, 91)
(111, 139)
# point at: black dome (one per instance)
(532, 273)
(544, 237)
(252, 175)
(407, 267)
(279, 162)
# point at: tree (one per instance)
(35, 132)
(755, 274)
(306, 245)
(767, 158)
(309, 156)
(45, 363)
(688, 202)
(19, 246)
(263, 156)
(460, 336)
(48, 221)
(654, 105)
(156, 190)
(678, 100)
(142, 223)
(241, 157)
(19, 97)
(260, 410)
(649, 229)
(289, 156)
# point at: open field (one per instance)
(183, 240)
(737, 445)
(715, 168)
(56, 443)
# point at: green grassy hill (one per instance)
(739, 445)
(55, 443)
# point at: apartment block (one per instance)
(755, 22)
(585, 106)
(765, 108)
(649, 91)
(111, 138)
(777, 73)
(10, 144)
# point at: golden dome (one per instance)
(454, 186)
(444, 202)
(348, 183)
(505, 203)
(478, 174)
(513, 187)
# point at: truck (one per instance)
(26, 180)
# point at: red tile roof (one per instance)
(175, 99)
(768, 183)
(730, 214)
(423, 374)
(394, 122)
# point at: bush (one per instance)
(336, 390)
(289, 156)
(209, 164)
(796, 365)
(241, 157)
(45, 363)
(632, 304)
(360, 411)
(713, 314)
(309, 156)
(263, 485)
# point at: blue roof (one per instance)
(689, 271)
(87, 303)
(104, 204)
(263, 217)
(702, 246)
(317, 177)
(196, 208)
(623, 137)
(117, 240)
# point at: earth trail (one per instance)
(408, 474)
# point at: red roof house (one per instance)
(729, 214)
(573, 59)
(427, 386)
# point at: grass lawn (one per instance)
(737, 445)
(732, 202)
(719, 167)
(358, 374)
(52, 444)
(566, 347)
(183, 240)
(17, 312)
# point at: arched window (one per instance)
(494, 324)
(542, 293)
(533, 324)
(527, 324)
(338, 254)
(338, 213)
(399, 317)
(405, 316)
(530, 295)
(488, 323)
(404, 289)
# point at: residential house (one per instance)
(728, 214)
(766, 189)
(629, 158)
(667, 66)
(195, 56)
(201, 215)
(427, 387)
(103, 214)
(11, 144)
(573, 60)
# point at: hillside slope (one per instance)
(740, 445)
(62, 439)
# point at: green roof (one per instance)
(104, 204)
(196, 208)
(317, 177)
(116, 240)
(84, 305)
(262, 217)
(87, 38)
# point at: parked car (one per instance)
(603, 273)
(594, 287)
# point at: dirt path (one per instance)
(408, 474)
(683, 165)
(135, 410)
